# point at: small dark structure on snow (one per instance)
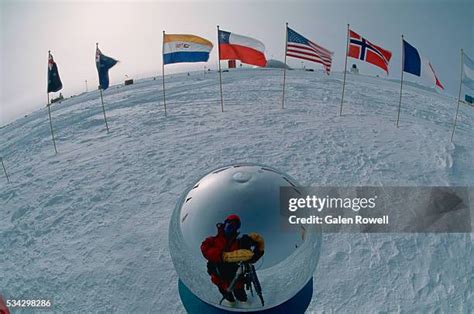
(354, 69)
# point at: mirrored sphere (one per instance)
(253, 193)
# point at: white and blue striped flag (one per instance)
(468, 72)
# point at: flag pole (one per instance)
(51, 125)
(459, 95)
(284, 68)
(345, 70)
(49, 112)
(5, 170)
(219, 63)
(163, 71)
(103, 109)
(102, 98)
(401, 84)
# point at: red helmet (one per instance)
(233, 217)
(231, 224)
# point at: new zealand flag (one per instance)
(54, 81)
(103, 64)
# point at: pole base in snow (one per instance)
(297, 304)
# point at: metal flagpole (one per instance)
(284, 69)
(102, 98)
(345, 70)
(51, 125)
(459, 96)
(5, 170)
(103, 110)
(220, 74)
(401, 84)
(163, 71)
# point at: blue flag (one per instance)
(411, 59)
(103, 64)
(54, 81)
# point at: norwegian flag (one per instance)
(362, 49)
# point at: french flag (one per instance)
(243, 48)
(415, 64)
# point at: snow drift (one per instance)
(88, 227)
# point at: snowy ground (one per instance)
(88, 227)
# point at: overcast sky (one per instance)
(132, 33)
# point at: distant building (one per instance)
(469, 99)
(57, 99)
(272, 63)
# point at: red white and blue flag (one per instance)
(362, 49)
(54, 81)
(415, 64)
(237, 47)
(103, 64)
(300, 47)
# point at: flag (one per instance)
(429, 70)
(298, 46)
(414, 63)
(243, 48)
(103, 64)
(362, 49)
(468, 72)
(54, 81)
(3, 307)
(411, 59)
(185, 48)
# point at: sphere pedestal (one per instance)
(297, 304)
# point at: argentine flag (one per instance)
(185, 48)
(468, 72)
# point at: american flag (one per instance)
(298, 46)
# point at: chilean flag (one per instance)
(243, 48)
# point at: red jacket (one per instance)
(213, 247)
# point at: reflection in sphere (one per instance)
(251, 192)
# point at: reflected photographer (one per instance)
(224, 253)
